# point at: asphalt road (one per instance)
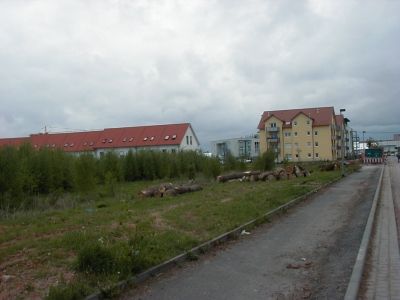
(308, 253)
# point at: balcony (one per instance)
(336, 137)
(277, 150)
(336, 127)
(273, 140)
(272, 129)
(336, 148)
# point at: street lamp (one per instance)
(363, 140)
(341, 117)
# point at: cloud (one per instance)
(215, 64)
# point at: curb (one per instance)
(175, 261)
(358, 269)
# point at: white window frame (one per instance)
(308, 144)
(288, 134)
(288, 145)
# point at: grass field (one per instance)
(77, 247)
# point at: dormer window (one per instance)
(35, 146)
(124, 140)
(53, 145)
(48, 145)
(167, 137)
(152, 138)
(85, 143)
(174, 136)
(110, 141)
(91, 143)
(131, 139)
(145, 139)
(66, 145)
(72, 144)
(105, 140)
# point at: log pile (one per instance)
(168, 190)
(240, 176)
(289, 172)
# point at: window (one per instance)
(145, 138)
(295, 123)
(187, 140)
(91, 143)
(66, 145)
(124, 140)
(101, 153)
(309, 155)
(288, 145)
(287, 134)
(110, 141)
(289, 156)
(190, 140)
(131, 139)
(105, 140)
(164, 150)
(308, 122)
(53, 145)
(167, 137)
(308, 144)
(316, 155)
(296, 145)
(273, 124)
(85, 143)
(287, 122)
(315, 132)
(316, 144)
(295, 134)
(72, 144)
(174, 136)
(48, 145)
(297, 156)
(35, 146)
(152, 138)
(308, 133)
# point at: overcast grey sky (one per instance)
(215, 64)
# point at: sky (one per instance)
(81, 65)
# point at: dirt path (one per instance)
(306, 254)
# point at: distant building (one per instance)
(247, 147)
(166, 138)
(305, 134)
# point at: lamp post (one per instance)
(342, 148)
(363, 140)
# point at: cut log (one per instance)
(263, 175)
(289, 170)
(277, 171)
(170, 193)
(292, 176)
(165, 186)
(271, 177)
(283, 176)
(147, 192)
(254, 178)
(158, 194)
(227, 177)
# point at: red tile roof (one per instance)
(13, 141)
(320, 115)
(141, 136)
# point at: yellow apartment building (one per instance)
(307, 134)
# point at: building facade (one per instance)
(247, 147)
(307, 134)
(166, 138)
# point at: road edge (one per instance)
(353, 287)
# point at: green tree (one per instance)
(85, 173)
(266, 161)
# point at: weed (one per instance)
(69, 291)
(191, 256)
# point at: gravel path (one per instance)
(308, 253)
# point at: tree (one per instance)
(371, 143)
